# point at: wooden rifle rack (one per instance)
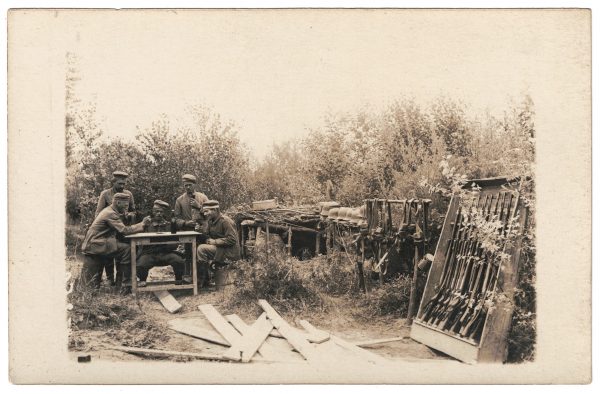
(491, 345)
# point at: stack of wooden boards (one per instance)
(269, 339)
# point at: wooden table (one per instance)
(181, 237)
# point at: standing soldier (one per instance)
(188, 207)
(106, 197)
(101, 241)
(222, 242)
(188, 211)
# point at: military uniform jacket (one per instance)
(183, 209)
(222, 230)
(155, 227)
(101, 237)
(106, 198)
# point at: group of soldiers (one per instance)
(105, 246)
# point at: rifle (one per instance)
(468, 301)
(435, 305)
(474, 324)
(457, 292)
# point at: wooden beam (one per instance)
(266, 350)
(169, 353)
(223, 327)
(193, 330)
(292, 335)
(257, 336)
(367, 355)
(168, 301)
(315, 335)
(378, 341)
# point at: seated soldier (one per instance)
(159, 255)
(101, 242)
(221, 243)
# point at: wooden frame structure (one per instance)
(181, 237)
(491, 345)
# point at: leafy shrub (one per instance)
(276, 279)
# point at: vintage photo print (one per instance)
(299, 196)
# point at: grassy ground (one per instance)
(293, 288)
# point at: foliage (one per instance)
(388, 299)
(276, 279)
(402, 151)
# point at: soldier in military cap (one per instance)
(106, 197)
(222, 241)
(118, 186)
(101, 241)
(159, 255)
(188, 211)
(188, 206)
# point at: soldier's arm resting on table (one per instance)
(115, 222)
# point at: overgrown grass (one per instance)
(278, 279)
(118, 315)
(388, 299)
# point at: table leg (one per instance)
(194, 267)
(133, 267)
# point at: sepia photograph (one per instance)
(301, 195)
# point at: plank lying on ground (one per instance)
(266, 350)
(252, 339)
(377, 341)
(193, 330)
(359, 351)
(315, 335)
(169, 353)
(298, 341)
(223, 327)
(168, 301)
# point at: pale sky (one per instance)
(276, 72)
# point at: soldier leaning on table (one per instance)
(119, 182)
(159, 255)
(101, 241)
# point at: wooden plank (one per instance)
(452, 346)
(291, 334)
(194, 330)
(169, 353)
(223, 327)
(168, 301)
(365, 354)
(162, 287)
(378, 341)
(266, 350)
(315, 335)
(252, 339)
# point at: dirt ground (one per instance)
(342, 319)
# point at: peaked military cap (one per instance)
(189, 178)
(121, 196)
(161, 204)
(120, 174)
(212, 204)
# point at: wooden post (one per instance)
(318, 244)
(194, 266)
(133, 267)
(289, 241)
(267, 241)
